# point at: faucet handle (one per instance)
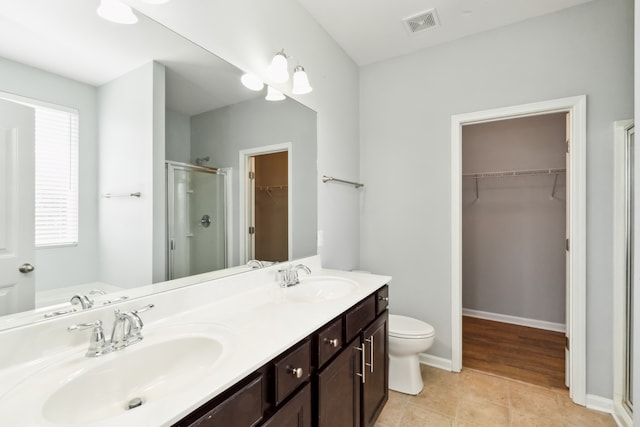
(143, 309)
(98, 345)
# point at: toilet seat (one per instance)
(409, 328)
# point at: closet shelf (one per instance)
(271, 187)
(531, 172)
(514, 173)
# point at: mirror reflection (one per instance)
(156, 134)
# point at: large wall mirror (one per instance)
(161, 128)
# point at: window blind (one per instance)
(56, 188)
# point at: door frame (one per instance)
(577, 108)
(245, 195)
(619, 267)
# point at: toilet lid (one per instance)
(408, 327)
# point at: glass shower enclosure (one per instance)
(196, 219)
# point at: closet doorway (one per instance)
(265, 229)
(513, 247)
(575, 228)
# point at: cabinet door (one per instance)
(295, 413)
(339, 390)
(375, 390)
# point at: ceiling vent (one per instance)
(422, 21)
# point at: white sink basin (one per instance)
(150, 373)
(81, 391)
(320, 288)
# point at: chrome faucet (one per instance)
(127, 330)
(289, 276)
(254, 263)
(84, 301)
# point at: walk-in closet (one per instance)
(513, 247)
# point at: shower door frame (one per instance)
(170, 167)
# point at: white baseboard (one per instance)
(522, 321)
(620, 416)
(598, 403)
(435, 361)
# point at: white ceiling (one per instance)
(66, 37)
(371, 30)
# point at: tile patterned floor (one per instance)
(474, 398)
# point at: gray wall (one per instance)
(513, 232)
(222, 133)
(73, 265)
(406, 106)
(178, 132)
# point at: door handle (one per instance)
(362, 354)
(371, 351)
(26, 268)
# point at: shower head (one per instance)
(201, 160)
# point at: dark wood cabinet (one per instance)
(338, 385)
(319, 382)
(295, 413)
(354, 387)
(375, 389)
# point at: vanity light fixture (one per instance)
(251, 81)
(277, 70)
(116, 11)
(300, 81)
(274, 94)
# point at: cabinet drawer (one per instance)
(242, 409)
(292, 370)
(382, 299)
(329, 341)
(360, 316)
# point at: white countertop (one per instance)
(249, 313)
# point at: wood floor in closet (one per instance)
(535, 356)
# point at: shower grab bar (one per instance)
(330, 178)
(110, 195)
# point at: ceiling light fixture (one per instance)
(274, 94)
(300, 81)
(116, 11)
(251, 81)
(277, 70)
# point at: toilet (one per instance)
(408, 337)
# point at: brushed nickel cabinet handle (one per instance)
(370, 365)
(334, 342)
(296, 372)
(363, 361)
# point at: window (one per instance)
(56, 192)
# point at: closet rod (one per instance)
(514, 173)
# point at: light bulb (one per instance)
(300, 81)
(277, 70)
(116, 11)
(251, 81)
(274, 94)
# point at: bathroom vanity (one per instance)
(337, 376)
(235, 351)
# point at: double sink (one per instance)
(172, 359)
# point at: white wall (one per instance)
(406, 106)
(73, 265)
(513, 232)
(127, 165)
(247, 33)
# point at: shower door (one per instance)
(196, 220)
